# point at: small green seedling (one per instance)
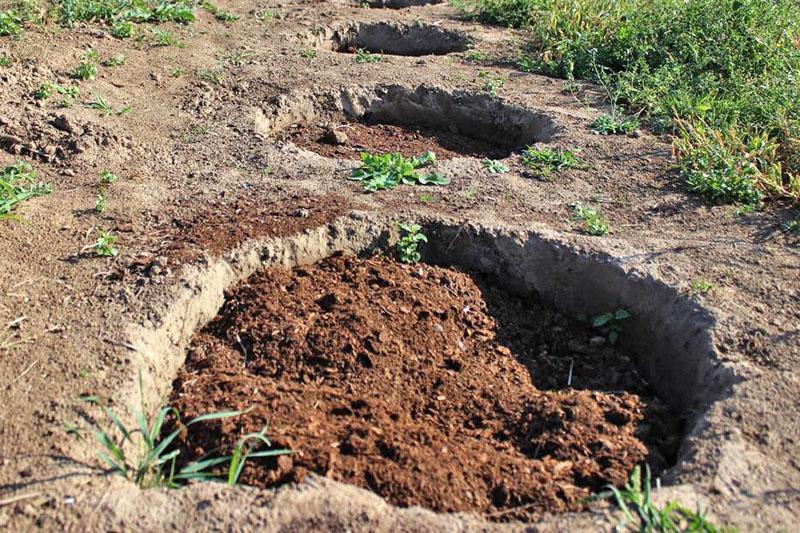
(308, 53)
(104, 245)
(363, 56)
(548, 161)
(427, 197)
(122, 30)
(609, 324)
(17, 184)
(494, 166)
(164, 38)
(86, 70)
(219, 14)
(116, 60)
(614, 124)
(100, 104)
(592, 221)
(492, 83)
(701, 286)
(387, 171)
(10, 24)
(6, 61)
(176, 72)
(107, 177)
(100, 201)
(407, 248)
(44, 91)
(640, 513)
(473, 55)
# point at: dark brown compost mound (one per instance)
(399, 379)
(357, 137)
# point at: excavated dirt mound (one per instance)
(353, 138)
(398, 379)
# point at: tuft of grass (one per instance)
(115, 60)
(164, 38)
(387, 171)
(701, 286)
(363, 56)
(494, 166)
(308, 53)
(614, 124)
(153, 461)
(642, 514)
(548, 161)
(6, 61)
(86, 70)
(17, 184)
(102, 105)
(407, 247)
(592, 222)
(728, 65)
(122, 29)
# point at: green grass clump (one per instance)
(387, 171)
(548, 161)
(720, 65)
(17, 184)
(122, 29)
(614, 124)
(363, 56)
(104, 245)
(86, 70)
(640, 513)
(592, 222)
(219, 14)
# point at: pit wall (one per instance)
(670, 335)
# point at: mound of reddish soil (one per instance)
(384, 138)
(393, 378)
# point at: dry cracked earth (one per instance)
(234, 157)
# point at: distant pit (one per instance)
(393, 38)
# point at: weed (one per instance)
(176, 72)
(44, 91)
(115, 61)
(635, 502)
(218, 13)
(6, 61)
(592, 222)
(730, 65)
(408, 244)
(473, 55)
(427, 198)
(308, 53)
(387, 171)
(609, 324)
(155, 463)
(122, 29)
(266, 17)
(86, 70)
(164, 38)
(215, 75)
(701, 286)
(494, 166)
(491, 82)
(100, 104)
(363, 56)
(614, 124)
(793, 227)
(100, 201)
(10, 24)
(547, 161)
(237, 58)
(107, 177)
(104, 245)
(17, 184)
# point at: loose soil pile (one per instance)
(353, 138)
(398, 379)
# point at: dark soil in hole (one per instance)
(383, 138)
(399, 379)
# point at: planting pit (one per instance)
(426, 385)
(410, 121)
(393, 38)
(401, 4)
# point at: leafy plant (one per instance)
(493, 166)
(100, 104)
(219, 14)
(491, 82)
(641, 513)
(164, 38)
(407, 247)
(86, 70)
(154, 462)
(610, 324)
(308, 53)
(10, 23)
(44, 91)
(614, 124)
(547, 161)
(701, 286)
(115, 60)
(104, 245)
(100, 201)
(107, 177)
(6, 61)
(17, 184)
(176, 72)
(592, 222)
(122, 29)
(387, 171)
(363, 56)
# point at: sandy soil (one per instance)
(209, 185)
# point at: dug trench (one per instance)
(458, 387)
